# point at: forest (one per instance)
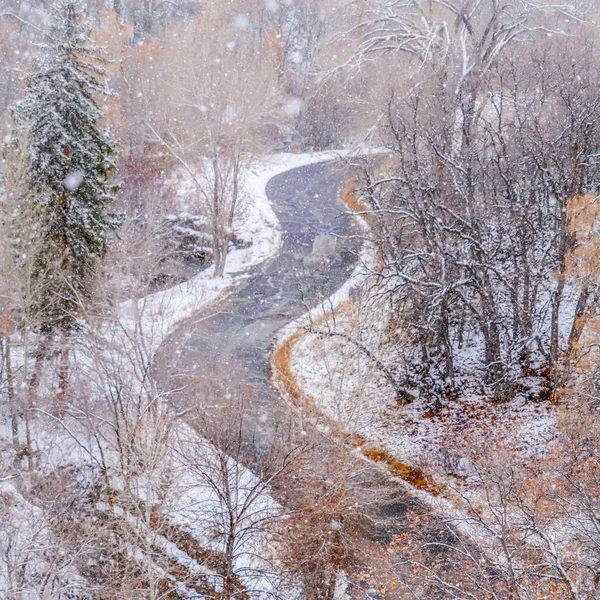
(299, 300)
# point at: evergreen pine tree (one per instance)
(70, 163)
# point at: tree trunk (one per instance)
(220, 247)
(554, 331)
(229, 583)
(493, 359)
(63, 376)
(148, 17)
(34, 384)
(446, 344)
(527, 317)
(12, 401)
(558, 294)
(494, 366)
(579, 319)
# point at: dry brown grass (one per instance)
(349, 198)
(411, 475)
(281, 372)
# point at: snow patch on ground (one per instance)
(349, 389)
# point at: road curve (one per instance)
(228, 346)
(222, 354)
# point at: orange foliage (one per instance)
(273, 47)
(112, 35)
(412, 475)
(280, 367)
(584, 226)
(583, 264)
(130, 70)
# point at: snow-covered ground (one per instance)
(189, 481)
(351, 390)
(340, 380)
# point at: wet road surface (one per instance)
(234, 338)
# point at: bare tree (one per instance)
(237, 505)
(20, 226)
(223, 100)
(474, 214)
(477, 31)
(520, 534)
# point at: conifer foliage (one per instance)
(70, 163)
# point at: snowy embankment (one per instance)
(338, 378)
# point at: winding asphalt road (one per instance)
(222, 355)
(228, 347)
